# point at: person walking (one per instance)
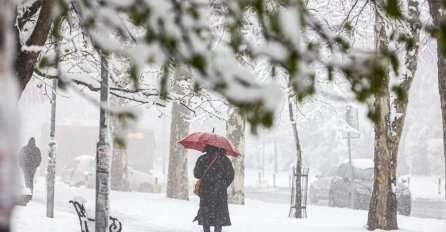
(215, 170)
(29, 159)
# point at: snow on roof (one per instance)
(361, 163)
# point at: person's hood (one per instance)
(32, 142)
(401, 186)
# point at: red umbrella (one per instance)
(199, 140)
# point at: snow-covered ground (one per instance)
(154, 212)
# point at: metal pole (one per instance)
(103, 157)
(260, 178)
(274, 179)
(276, 158)
(51, 169)
(263, 155)
(293, 195)
(349, 150)
(163, 145)
(352, 198)
(352, 186)
(348, 109)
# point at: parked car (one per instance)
(320, 187)
(352, 187)
(81, 172)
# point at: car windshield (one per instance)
(364, 174)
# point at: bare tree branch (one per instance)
(29, 13)
(25, 61)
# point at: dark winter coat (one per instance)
(29, 160)
(213, 192)
(30, 157)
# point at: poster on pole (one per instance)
(103, 183)
(104, 160)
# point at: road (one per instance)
(423, 208)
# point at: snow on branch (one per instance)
(182, 34)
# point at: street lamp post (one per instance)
(103, 156)
(51, 169)
(349, 108)
(351, 117)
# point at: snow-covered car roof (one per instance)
(90, 158)
(85, 157)
(360, 163)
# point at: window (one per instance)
(364, 174)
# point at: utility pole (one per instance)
(352, 171)
(103, 156)
(51, 169)
(347, 119)
(351, 117)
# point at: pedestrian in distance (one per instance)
(215, 170)
(29, 159)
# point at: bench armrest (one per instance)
(115, 226)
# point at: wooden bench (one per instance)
(87, 224)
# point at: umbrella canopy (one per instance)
(199, 140)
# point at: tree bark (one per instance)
(26, 60)
(177, 179)
(410, 62)
(119, 174)
(383, 205)
(436, 8)
(235, 130)
(298, 197)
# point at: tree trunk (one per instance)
(298, 197)
(26, 60)
(8, 114)
(410, 62)
(383, 205)
(119, 174)
(177, 182)
(436, 13)
(235, 130)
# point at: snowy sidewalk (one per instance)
(142, 212)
